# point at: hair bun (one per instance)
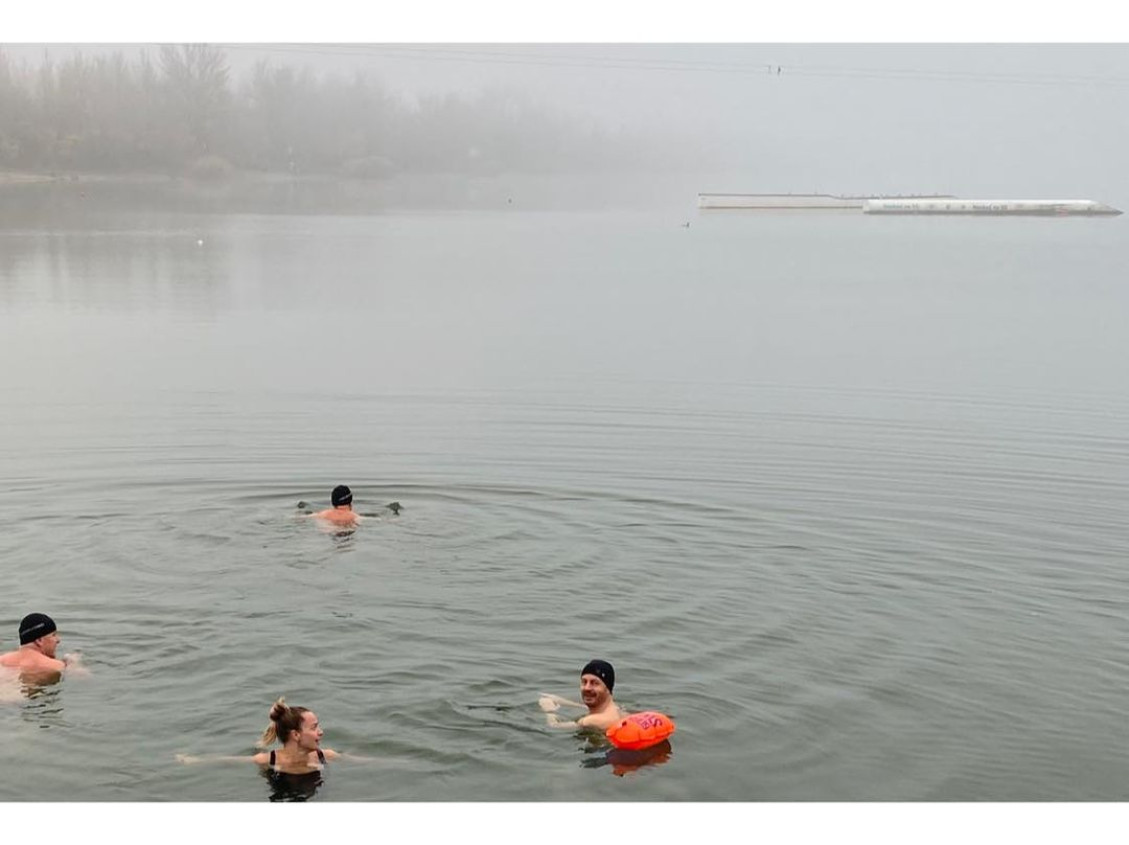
(278, 709)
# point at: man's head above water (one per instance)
(341, 515)
(36, 657)
(597, 680)
(36, 630)
(341, 496)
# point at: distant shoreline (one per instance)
(10, 178)
(24, 193)
(17, 177)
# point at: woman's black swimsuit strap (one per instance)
(321, 758)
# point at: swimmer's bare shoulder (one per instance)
(24, 662)
(592, 721)
(602, 721)
(260, 759)
(338, 517)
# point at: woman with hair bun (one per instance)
(297, 730)
(299, 733)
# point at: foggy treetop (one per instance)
(183, 111)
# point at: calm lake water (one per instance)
(846, 497)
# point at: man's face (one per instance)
(593, 692)
(309, 735)
(49, 643)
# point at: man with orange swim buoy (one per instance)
(597, 679)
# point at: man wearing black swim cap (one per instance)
(35, 659)
(597, 679)
(342, 511)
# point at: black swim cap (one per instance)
(341, 495)
(602, 670)
(35, 625)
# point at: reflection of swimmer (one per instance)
(597, 679)
(297, 729)
(284, 787)
(35, 659)
(624, 761)
(10, 690)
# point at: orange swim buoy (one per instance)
(640, 730)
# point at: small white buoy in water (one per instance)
(199, 242)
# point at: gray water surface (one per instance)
(843, 496)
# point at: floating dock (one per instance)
(802, 201)
(1051, 208)
(905, 204)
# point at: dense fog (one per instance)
(180, 109)
(968, 119)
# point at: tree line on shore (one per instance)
(183, 113)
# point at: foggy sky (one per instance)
(1027, 121)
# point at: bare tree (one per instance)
(197, 96)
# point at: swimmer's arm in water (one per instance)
(591, 721)
(347, 756)
(262, 759)
(555, 721)
(306, 511)
(549, 702)
(74, 666)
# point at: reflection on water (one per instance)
(172, 270)
(342, 537)
(11, 690)
(287, 787)
(624, 761)
(44, 703)
(42, 685)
